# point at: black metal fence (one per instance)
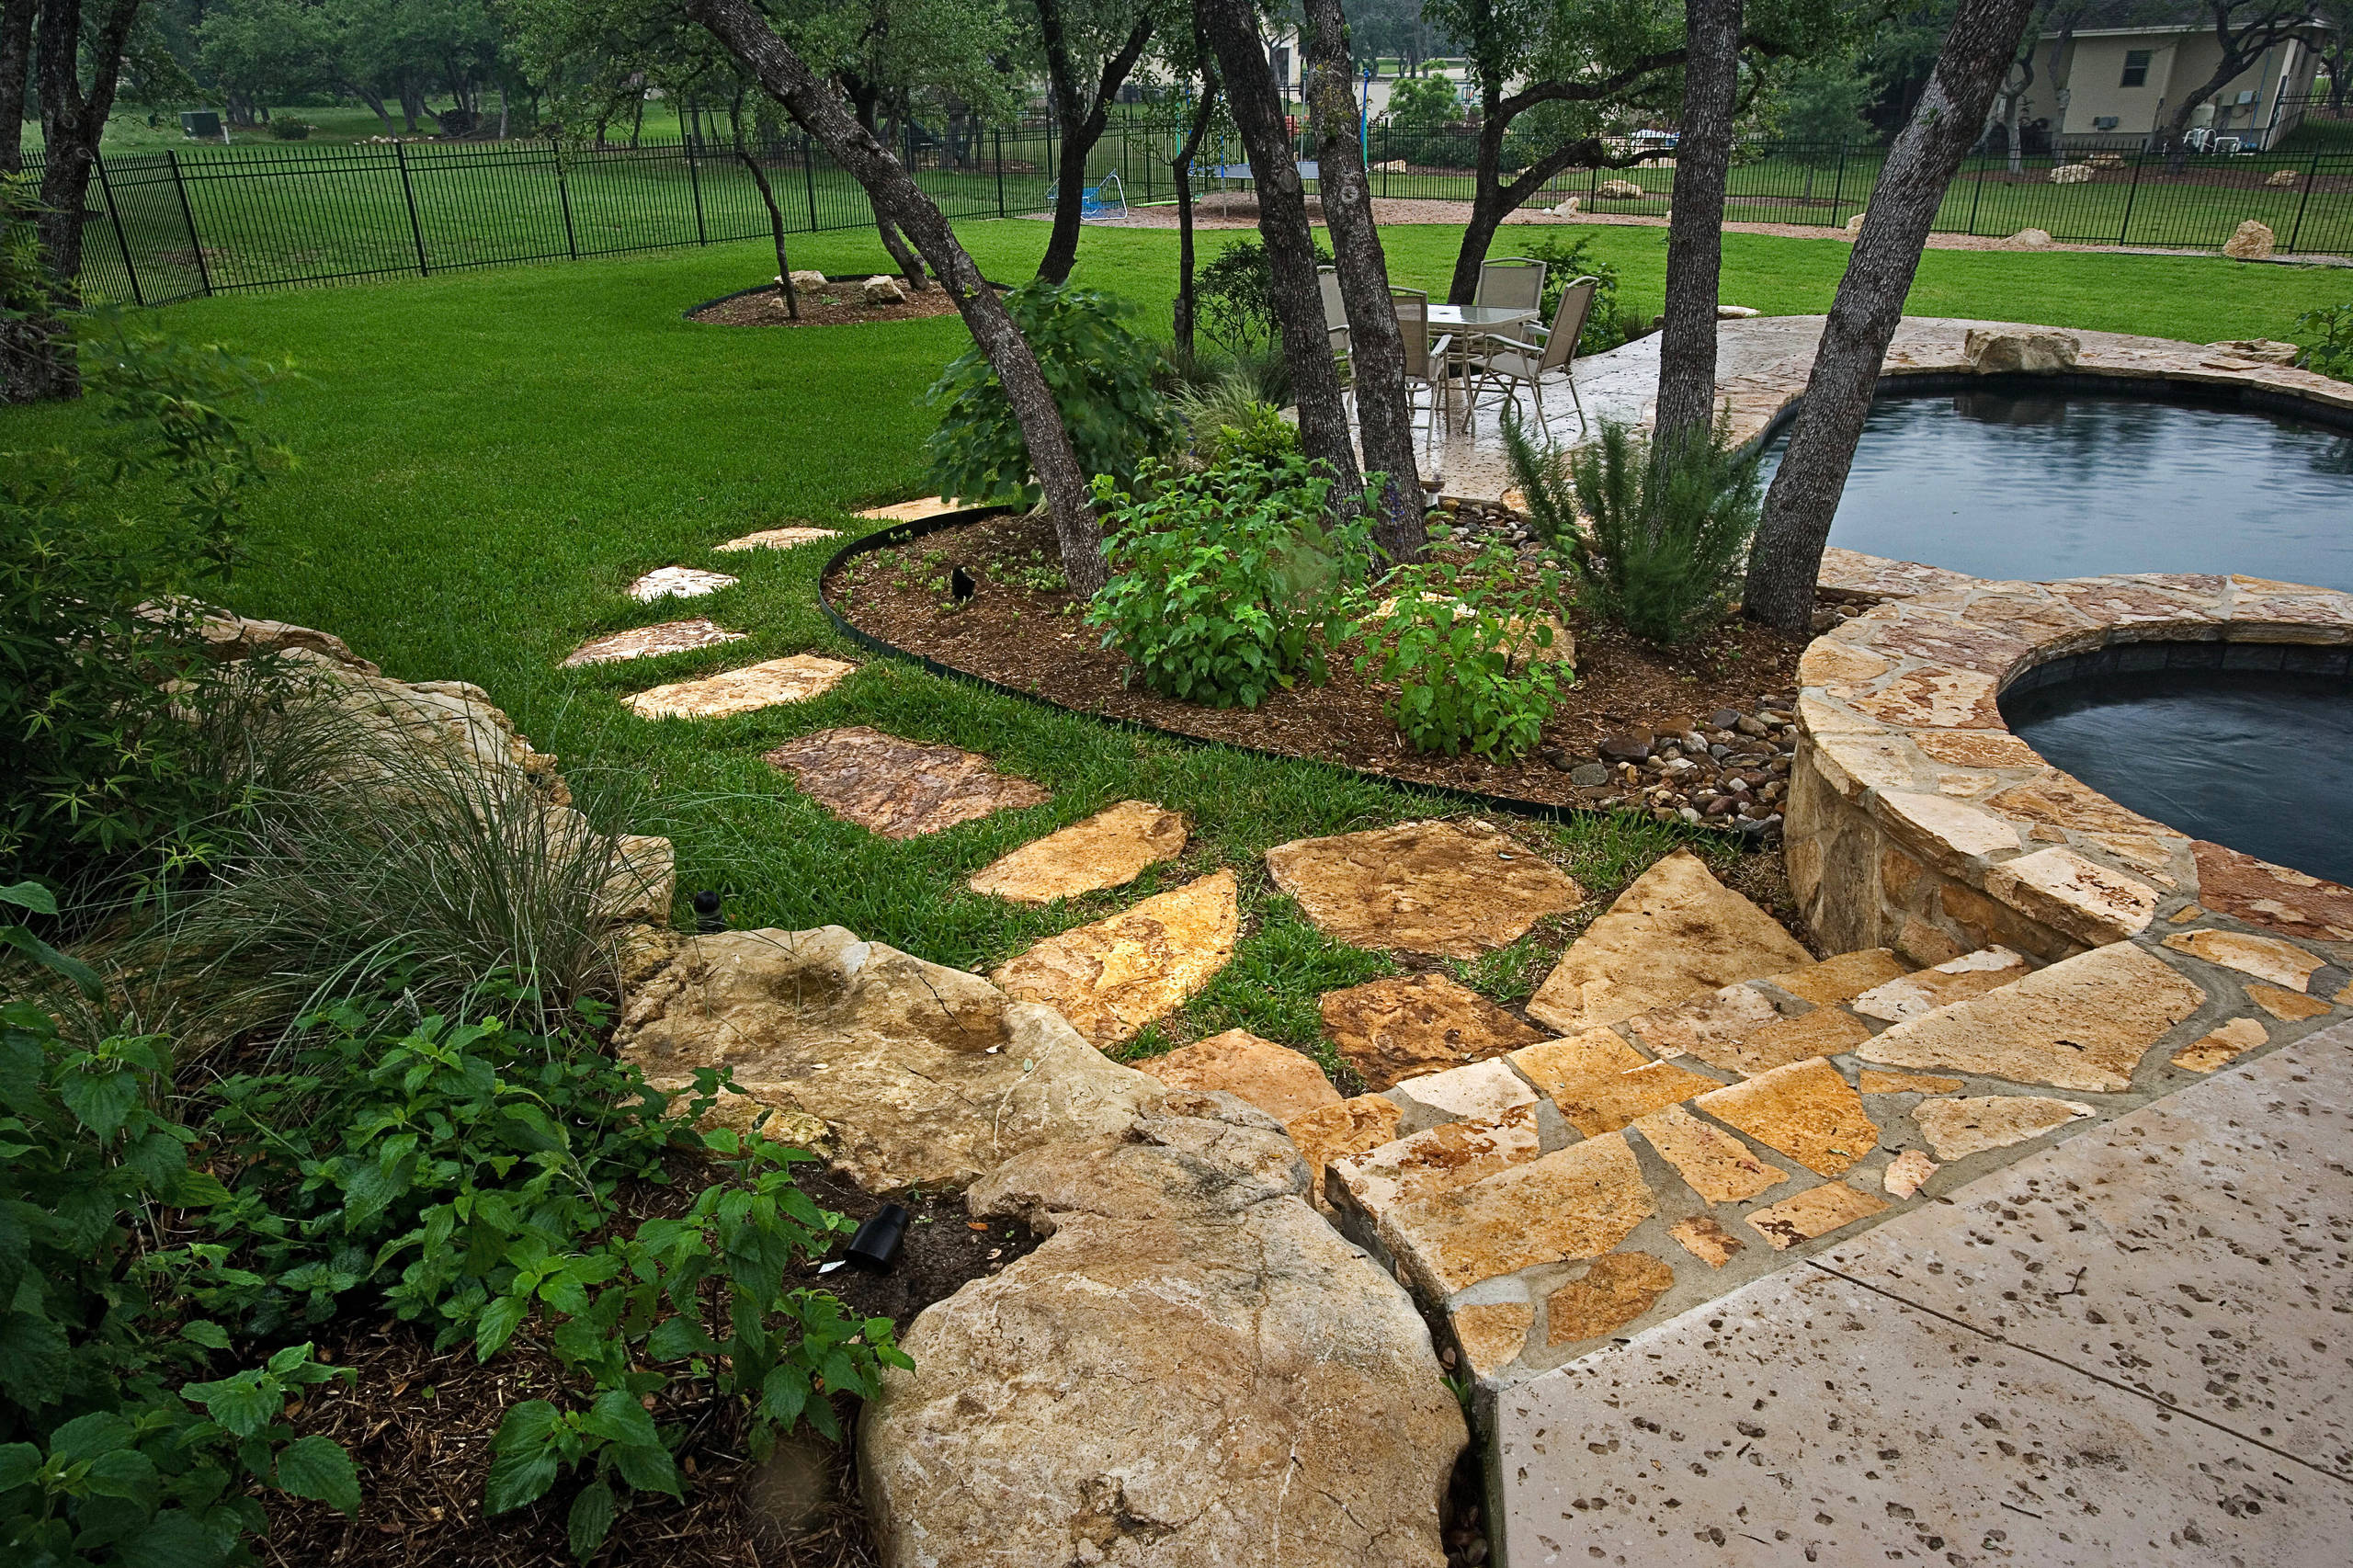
(167, 226)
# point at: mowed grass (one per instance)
(486, 459)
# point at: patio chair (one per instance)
(1335, 325)
(1517, 364)
(1512, 283)
(1426, 362)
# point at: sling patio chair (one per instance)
(1515, 363)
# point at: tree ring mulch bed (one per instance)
(419, 1422)
(1021, 628)
(838, 304)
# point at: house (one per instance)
(2126, 75)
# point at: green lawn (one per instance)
(486, 459)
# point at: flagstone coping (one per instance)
(794, 679)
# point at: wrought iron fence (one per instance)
(170, 225)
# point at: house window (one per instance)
(2136, 68)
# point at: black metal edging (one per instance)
(907, 533)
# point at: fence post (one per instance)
(415, 229)
(187, 216)
(1976, 194)
(563, 195)
(694, 180)
(808, 177)
(2294, 233)
(1838, 186)
(2130, 192)
(998, 132)
(122, 242)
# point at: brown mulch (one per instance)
(1027, 637)
(419, 1424)
(835, 306)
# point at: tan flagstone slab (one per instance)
(899, 789)
(1431, 1161)
(794, 679)
(1957, 1129)
(1492, 1334)
(2070, 893)
(1675, 933)
(1450, 889)
(1110, 849)
(913, 511)
(1814, 1212)
(1843, 978)
(1826, 1031)
(2266, 957)
(1706, 1240)
(1616, 1289)
(1705, 1026)
(779, 538)
(2288, 1006)
(2084, 1023)
(1945, 832)
(1805, 1110)
(1717, 1165)
(1907, 1173)
(1283, 1083)
(1596, 1105)
(1113, 976)
(677, 582)
(1577, 1202)
(1876, 1082)
(1956, 980)
(1483, 1088)
(1403, 1026)
(652, 642)
(2063, 800)
(1976, 748)
(1336, 1132)
(2276, 899)
(2222, 1047)
(1936, 699)
(1555, 1064)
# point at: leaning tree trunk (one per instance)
(1694, 234)
(1376, 344)
(820, 111)
(749, 158)
(1787, 556)
(1231, 26)
(1181, 166)
(1489, 207)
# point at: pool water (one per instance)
(2261, 761)
(1998, 483)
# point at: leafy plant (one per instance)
(1565, 264)
(1101, 375)
(1229, 419)
(2332, 354)
(1661, 542)
(1225, 583)
(1466, 646)
(1234, 296)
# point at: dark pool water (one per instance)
(2260, 761)
(1999, 484)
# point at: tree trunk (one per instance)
(750, 160)
(374, 100)
(1488, 205)
(1376, 346)
(1083, 125)
(1695, 234)
(818, 109)
(1181, 166)
(72, 122)
(864, 99)
(1231, 26)
(1787, 556)
(15, 70)
(411, 103)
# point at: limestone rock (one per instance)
(1876, 1082)
(650, 642)
(1706, 1240)
(1957, 1129)
(1596, 1105)
(1616, 1289)
(2222, 1047)
(644, 884)
(1675, 933)
(1371, 1184)
(1956, 980)
(1283, 1083)
(1336, 1132)
(1620, 190)
(1704, 1026)
(1554, 1064)
(2071, 893)
(1855, 223)
(1110, 849)
(1193, 1371)
(1736, 312)
(1113, 976)
(1997, 353)
(677, 582)
(779, 538)
(2266, 957)
(1816, 1212)
(2273, 897)
(913, 511)
(228, 637)
(1714, 1163)
(920, 1074)
(2264, 350)
(807, 278)
(1398, 1028)
(2032, 239)
(1483, 1088)
(1826, 1031)
(1491, 1335)
(2071, 174)
(897, 787)
(2288, 1006)
(1805, 1110)
(1573, 1203)
(2250, 241)
(794, 679)
(2084, 1023)
(1567, 209)
(1450, 889)
(2282, 179)
(1841, 979)
(1907, 1173)
(882, 290)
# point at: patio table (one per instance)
(1467, 322)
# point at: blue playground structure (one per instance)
(1105, 200)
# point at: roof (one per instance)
(2134, 16)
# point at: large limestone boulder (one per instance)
(2071, 174)
(1194, 1371)
(918, 1075)
(882, 290)
(2250, 241)
(1997, 353)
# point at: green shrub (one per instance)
(1466, 645)
(1226, 581)
(1234, 297)
(2331, 353)
(1660, 547)
(1101, 375)
(1565, 263)
(1230, 418)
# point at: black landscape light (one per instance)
(877, 1241)
(707, 917)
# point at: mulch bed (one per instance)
(836, 306)
(419, 1424)
(1015, 631)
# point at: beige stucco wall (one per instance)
(2179, 65)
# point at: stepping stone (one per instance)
(2288, 1006)
(779, 538)
(1394, 1029)
(899, 789)
(1714, 1163)
(1603, 1105)
(1573, 1203)
(677, 582)
(1555, 1064)
(1875, 1082)
(1449, 889)
(1957, 1129)
(1111, 977)
(650, 642)
(1428, 1162)
(2225, 1045)
(1283, 1083)
(1617, 1288)
(2266, 957)
(1491, 1335)
(1805, 1110)
(1483, 1088)
(1956, 980)
(1817, 1212)
(2084, 1023)
(1674, 933)
(794, 679)
(1907, 1173)
(1338, 1130)
(1110, 849)
(1841, 979)
(1706, 1241)
(913, 511)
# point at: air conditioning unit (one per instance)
(2104, 122)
